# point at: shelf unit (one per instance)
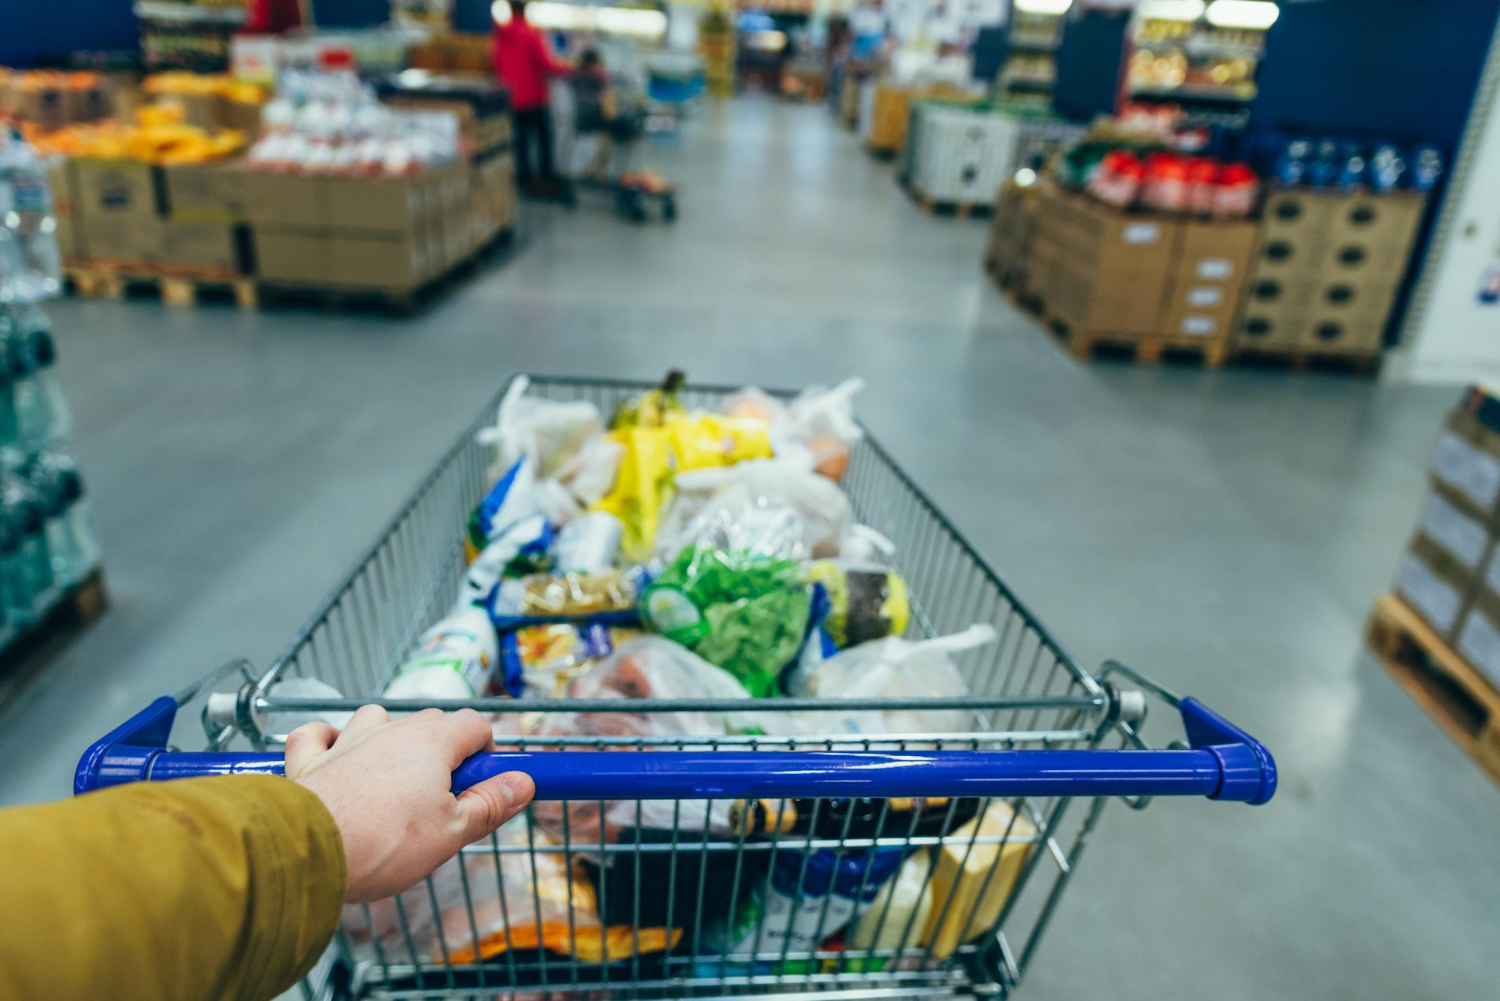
(1030, 70)
(189, 36)
(1208, 70)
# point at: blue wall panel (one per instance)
(37, 33)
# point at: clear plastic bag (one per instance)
(816, 430)
(768, 506)
(891, 668)
(550, 432)
(503, 891)
(642, 668)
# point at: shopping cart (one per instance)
(566, 904)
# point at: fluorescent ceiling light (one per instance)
(1044, 6)
(579, 17)
(1243, 13)
(1171, 10)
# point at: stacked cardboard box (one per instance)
(377, 233)
(1212, 262)
(1327, 270)
(1100, 269)
(1008, 253)
(125, 213)
(52, 100)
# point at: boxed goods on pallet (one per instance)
(481, 106)
(1007, 253)
(1212, 260)
(1466, 460)
(1101, 269)
(885, 109)
(51, 100)
(210, 100)
(1478, 634)
(958, 153)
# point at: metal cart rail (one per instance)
(594, 895)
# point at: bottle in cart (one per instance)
(30, 262)
(72, 545)
(8, 349)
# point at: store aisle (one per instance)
(1183, 521)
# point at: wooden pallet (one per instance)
(936, 206)
(1087, 345)
(881, 154)
(1305, 360)
(1438, 679)
(175, 289)
(26, 653)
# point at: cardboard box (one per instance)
(1296, 215)
(1392, 219)
(1336, 333)
(384, 205)
(378, 262)
(1457, 532)
(296, 255)
(1212, 261)
(45, 107)
(119, 189)
(214, 247)
(1368, 298)
(208, 193)
(1479, 633)
(283, 199)
(1466, 459)
(1274, 313)
(122, 239)
(1435, 586)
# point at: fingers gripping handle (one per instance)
(1224, 763)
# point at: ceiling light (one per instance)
(1171, 10)
(1043, 6)
(1243, 13)
(552, 16)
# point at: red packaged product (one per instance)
(1117, 180)
(1165, 187)
(1236, 191)
(1203, 180)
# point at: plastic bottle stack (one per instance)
(47, 541)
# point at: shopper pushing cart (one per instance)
(608, 127)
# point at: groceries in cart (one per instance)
(668, 551)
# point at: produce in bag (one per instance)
(816, 430)
(608, 597)
(505, 892)
(650, 409)
(770, 505)
(549, 432)
(744, 610)
(891, 668)
(648, 667)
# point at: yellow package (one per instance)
(641, 487)
(705, 440)
(985, 874)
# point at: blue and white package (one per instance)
(512, 498)
(611, 598)
(529, 536)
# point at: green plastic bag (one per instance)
(743, 611)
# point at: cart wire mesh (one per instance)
(671, 899)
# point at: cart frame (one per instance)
(1027, 693)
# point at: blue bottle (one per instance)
(43, 416)
(72, 546)
(30, 579)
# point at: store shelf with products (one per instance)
(1030, 69)
(50, 577)
(188, 36)
(1178, 53)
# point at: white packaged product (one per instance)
(904, 902)
(453, 660)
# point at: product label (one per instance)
(1215, 268)
(797, 924)
(1142, 232)
(1471, 472)
(458, 650)
(1202, 296)
(673, 614)
(1428, 593)
(1479, 642)
(1198, 326)
(1461, 536)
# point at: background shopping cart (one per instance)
(570, 902)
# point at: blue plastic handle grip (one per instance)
(1224, 763)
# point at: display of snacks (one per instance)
(158, 135)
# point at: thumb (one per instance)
(486, 805)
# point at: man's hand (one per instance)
(386, 784)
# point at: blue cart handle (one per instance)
(1224, 763)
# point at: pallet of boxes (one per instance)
(1438, 632)
(1327, 269)
(885, 110)
(1144, 283)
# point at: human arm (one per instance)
(547, 62)
(231, 887)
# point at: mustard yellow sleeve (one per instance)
(193, 889)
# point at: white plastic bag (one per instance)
(647, 667)
(891, 668)
(823, 419)
(549, 431)
(764, 505)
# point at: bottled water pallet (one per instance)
(1310, 359)
(940, 207)
(176, 288)
(25, 652)
(1438, 679)
(1143, 349)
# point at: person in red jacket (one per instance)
(524, 62)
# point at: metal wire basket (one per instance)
(751, 863)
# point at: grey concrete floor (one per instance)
(1225, 531)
